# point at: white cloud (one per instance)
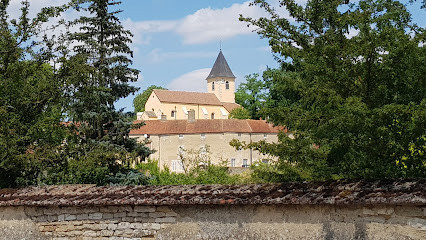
(208, 24)
(194, 81)
(35, 6)
(205, 25)
(157, 55)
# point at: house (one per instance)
(216, 103)
(169, 137)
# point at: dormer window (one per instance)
(212, 86)
(227, 85)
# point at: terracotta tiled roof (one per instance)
(155, 127)
(187, 97)
(403, 192)
(230, 106)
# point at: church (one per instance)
(216, 103)
(176, 120)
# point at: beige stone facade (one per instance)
(224, 88)
(168, 146)
(179, 110)
(168, 138)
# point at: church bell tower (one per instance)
(221, 80)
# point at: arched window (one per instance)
(212, 115)
(172, 114)
(227, 85)
(212, 86)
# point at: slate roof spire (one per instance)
(221, 68)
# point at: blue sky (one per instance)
(176, 42)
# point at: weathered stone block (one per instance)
(52, 218)
(105, 233)
(163, 209)
(89, 234)
(125, 209)
(119, 214)
(409, 211)
(136, 225)
(69, 217)
(95, 216)
(83, 216)
(171, 214)
(61, 217)
(112, 226)
(109, 209)
(157, 214)
(369, 211)
(154, 226)
(123, 225)
(107, 215)
(165, 220)
(127, 219)
(144, 209)
(385, 211)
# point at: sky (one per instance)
(175, 43)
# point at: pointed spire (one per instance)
(221, 68)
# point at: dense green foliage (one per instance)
(239, 113)
(140, 100)
(351, 88)
(36, 145)
(30, 101)
(252, 95)
(212, 174)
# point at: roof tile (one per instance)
(187, 97)
(155, 127)
(385, 192)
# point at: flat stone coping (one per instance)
(384, 192)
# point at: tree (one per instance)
(140, 100)
(350, 87)
(30, 101)
(239, 113)
(252, 95)
(97, 72)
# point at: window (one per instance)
(233, 162)
(172, 114)
(265, 136)
(177, 166)
(204, 111)
(212, 86)
(223, 111)
(180, 136)
(185, 110)
(203, 136)
(239, 135)
(153, 109)
(227, 85)
(212, 115)
(245, 163)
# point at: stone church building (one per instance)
(217, 103)
(176, 120)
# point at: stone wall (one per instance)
(359, 210)
(213, 222)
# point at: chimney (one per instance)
(163, 117)
(191, 115)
